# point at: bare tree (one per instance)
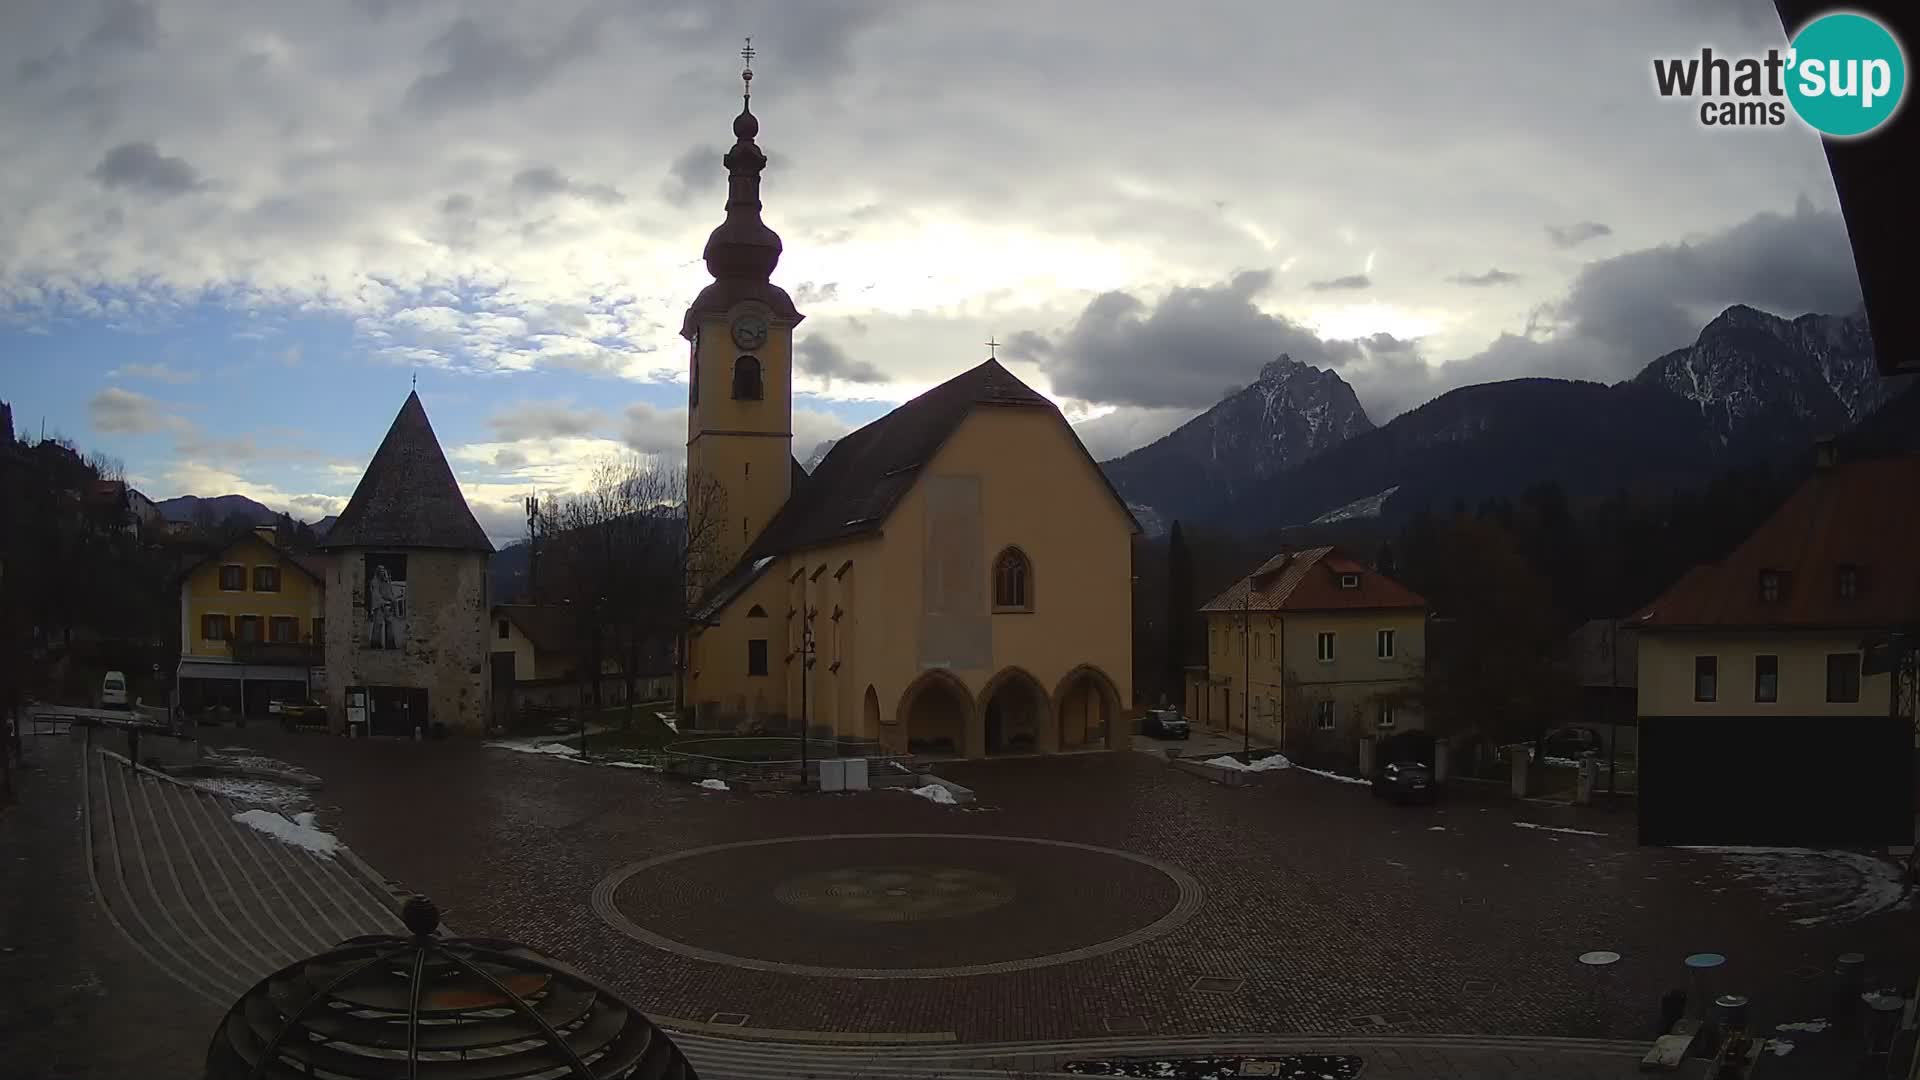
(627, 556)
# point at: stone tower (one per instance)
(407, 614)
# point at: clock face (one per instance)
(749, 331)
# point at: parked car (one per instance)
(113, 691)
(298, 714)
(1165, 724)
(1405, 781)
(1571, 742)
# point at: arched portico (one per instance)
(1087, 710)
(1014, 709)
(870, 714)
(932, 717)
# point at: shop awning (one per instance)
(208, 669)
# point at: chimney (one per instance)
(265, 533)
(1825, 455)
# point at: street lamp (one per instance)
(1246, 672)
(806, 661)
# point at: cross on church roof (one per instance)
(746, 75)
(992, 347)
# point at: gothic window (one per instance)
(746, 379)
(693, 371)
(1012, 581)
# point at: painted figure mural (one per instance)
(386, 601)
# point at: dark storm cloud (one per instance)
(126, 24)
(1623, 312)
(542, 181)
(480, 65)
(818, 355)
(1566, 236)
(1177, 353)
(1351, 281)
(140, 166)
(1494, 276)
(695, 173)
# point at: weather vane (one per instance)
(993, 347)
(746, 75)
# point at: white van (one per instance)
(113, 692)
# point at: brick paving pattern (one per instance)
(1340, 913)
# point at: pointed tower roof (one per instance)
(742, 250)
(408, 497)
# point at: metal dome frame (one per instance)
(426, 1007)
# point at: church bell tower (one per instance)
(740, 332)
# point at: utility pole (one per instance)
(533, 547)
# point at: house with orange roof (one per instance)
(1320, 648)
(1767, 710)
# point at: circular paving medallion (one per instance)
(897, 905)
(895, 893)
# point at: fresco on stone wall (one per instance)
(386, 601)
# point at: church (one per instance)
(953, 579)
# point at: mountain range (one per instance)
(1295, 448)
(183, 509)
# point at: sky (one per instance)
(233, 235)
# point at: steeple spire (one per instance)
(743, 246)
(742, 252)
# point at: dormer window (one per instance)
(746, 379)
(1846, 582)
(1349, 581)
(1770, 586)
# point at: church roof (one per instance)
(408, 497)
(856, 486)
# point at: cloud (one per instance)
(126, 24)
(1176, 353)
(545, 180)
(531, 420)
(480, 66)
(156, 372)
(139, 166)
(114, 411)
(1493, 276)
(1350, 281)
(650, 429)
(1566, 236)
(694, 174)
(818, 355)
(1128, 428)
(809, 293)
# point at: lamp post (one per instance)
(1246, 672)
(806, 661)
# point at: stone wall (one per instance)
(444, 649)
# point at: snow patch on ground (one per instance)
(1780, 1047)
(1804, 1025)
(627, 765)
(1436, 828)
(299, 831)
(715, 785)
(934, 793)
(1551, 829)
(1817, 886)
(529, 746)
(246, 790)
(1278, 761)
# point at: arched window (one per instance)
(756, 612)
(746, 379)
(1012, 581)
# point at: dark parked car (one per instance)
(1165, 724)
(1571, 742)
(1405, 781)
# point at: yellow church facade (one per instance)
(955, 578)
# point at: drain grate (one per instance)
(1371, 1020)
(1216, 984)
(1476, 987)
(1126, 1025)
(729, 1019)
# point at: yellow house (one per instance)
(252, 624)
(1320, 648)
(954, 578)
(1768, 712)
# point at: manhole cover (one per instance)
(1599, 958)
(728, 1019)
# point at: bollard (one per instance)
(1730, 1012)
(1587, 778)
(1849, 981)
(1698, 990)
(1519, 757)
(1884, 1011)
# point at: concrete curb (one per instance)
(1218, 774)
